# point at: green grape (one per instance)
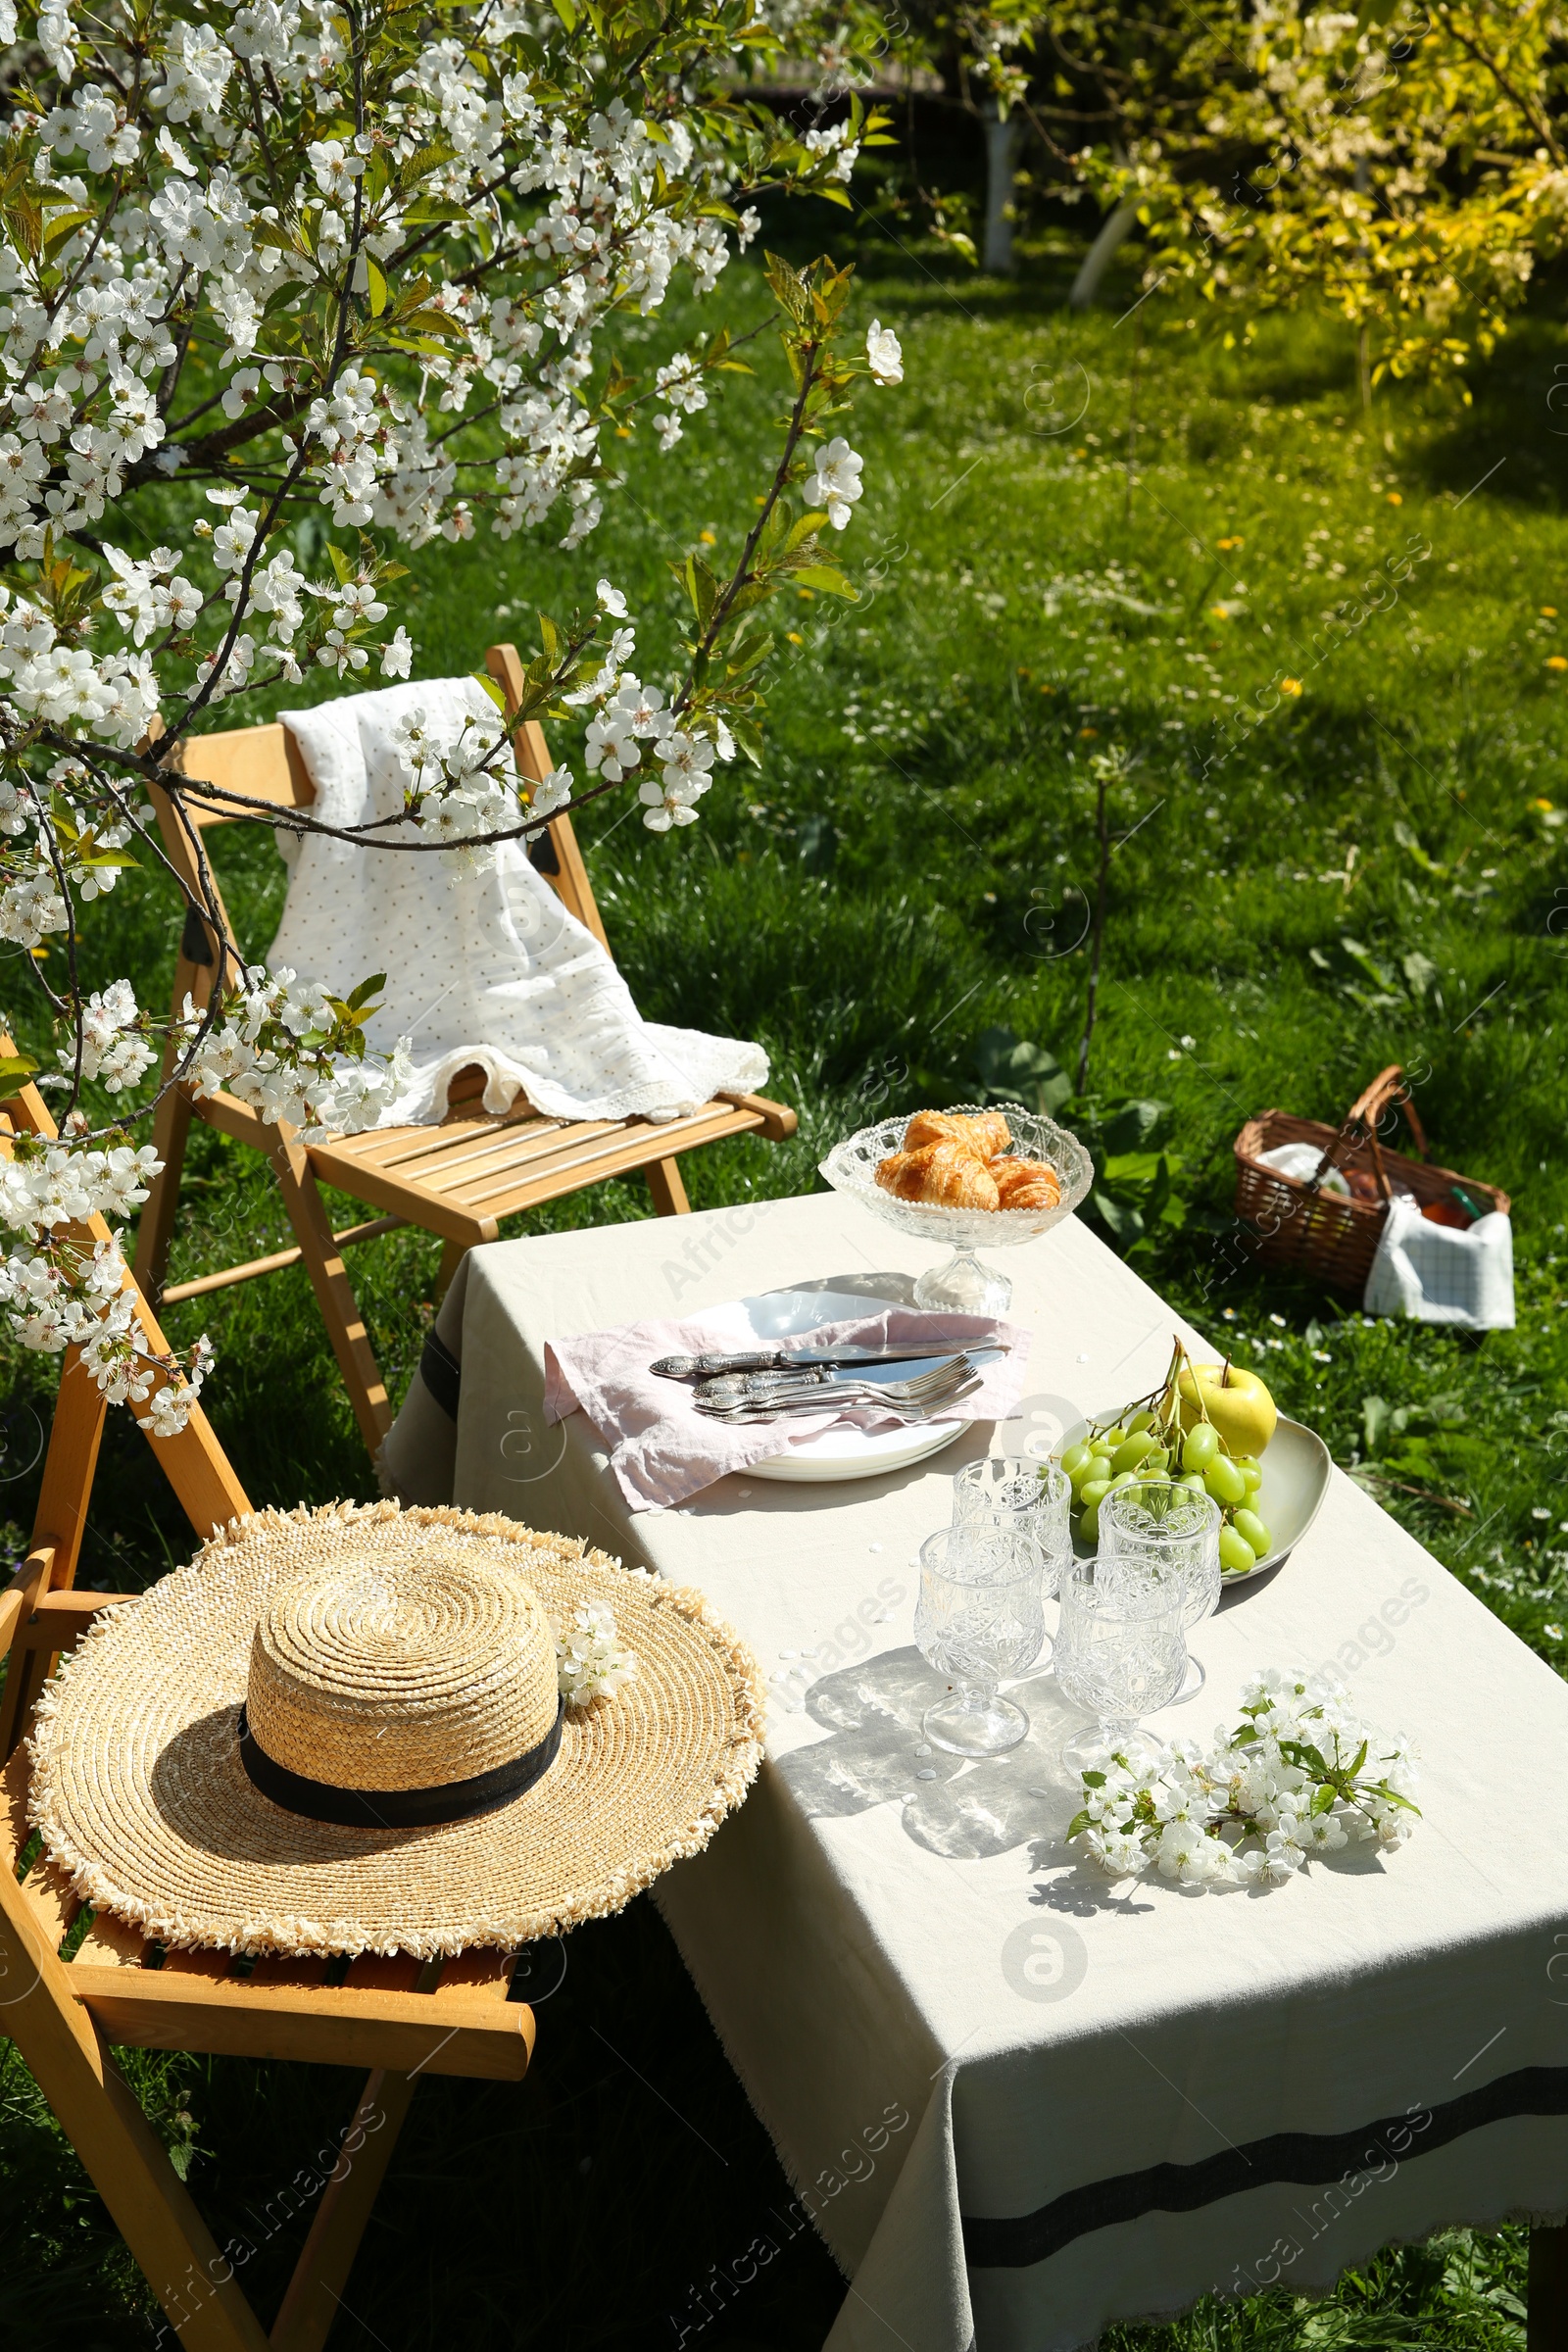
(1225, 1482)
(1156, 1464)
(1200, 1445)
(1249, 1525)
(1076, 1458)
(1089, 1525)
(1235, 1552)
(1114, 1436)
(1142, 1420)
(1092, 1494)
(1132, 1451)
(1124, 1478)
(1250, 1468)
(1194, 1482)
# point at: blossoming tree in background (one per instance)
(359, 261)
(1405, 167)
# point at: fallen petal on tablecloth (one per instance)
(662, 1449)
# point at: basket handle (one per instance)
(1388, 1087)
(1364, 1112)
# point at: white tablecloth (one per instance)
(1112, 2099)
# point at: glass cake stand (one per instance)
(964, 1283)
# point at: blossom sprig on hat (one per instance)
(1300, 1776)
(592, 1660)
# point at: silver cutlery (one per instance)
(746, 1399)
(911, 1415)
(888, 1378)
(790, 1359)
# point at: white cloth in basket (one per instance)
(1438, 1274)
(484, 965)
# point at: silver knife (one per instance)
(822, 1379)
(800, 1359)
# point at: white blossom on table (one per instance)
(1300, 1776)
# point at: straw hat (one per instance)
(340, 1731)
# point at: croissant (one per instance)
(1025, 1184)
(985, 1132)
(944, 1174)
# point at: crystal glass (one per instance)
(979, 1617)
(1017, 1494)
(1169, 1536)
(1120, 1651)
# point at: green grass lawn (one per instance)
(1087, 536)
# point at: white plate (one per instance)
(856, 1452)
(837, 1453)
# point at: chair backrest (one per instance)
(265, 764)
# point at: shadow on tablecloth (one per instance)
(967, 1811)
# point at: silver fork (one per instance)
(767, 1387)
(911, 1415)
(937, 1392)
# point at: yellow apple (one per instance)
(1237, 1402)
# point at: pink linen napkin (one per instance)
(662, 1449)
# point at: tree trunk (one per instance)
(1002, 133)
(1114, 231)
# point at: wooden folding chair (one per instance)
(458, 1179)
(398, 2017)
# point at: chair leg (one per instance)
(156, 1229)
(670, 1193)
(1547, 2328)
(453, 1254)
(324, 1262)
(26, 1670)
(75, 1436)
(314, 2292)
(151, 2207)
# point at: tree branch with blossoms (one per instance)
(256, 263)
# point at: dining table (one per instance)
(1020, 2100)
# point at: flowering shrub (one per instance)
(361, 263)
(1300, 1775)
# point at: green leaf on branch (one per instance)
(376, 284)
(747, 739)
(828, 581)
(702, 587)
(16, 1066)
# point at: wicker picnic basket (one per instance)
(1298, 1224)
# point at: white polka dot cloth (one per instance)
(484, 965)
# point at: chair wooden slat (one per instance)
(112, 1942)
(434, 2032)
(213, 1968)
(265, 764)
(479, 1976)
(52, 1900)
(386, 1972)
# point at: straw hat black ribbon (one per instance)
(395, 1808)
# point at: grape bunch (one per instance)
(1149, 1442)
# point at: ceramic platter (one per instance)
(841, 1452)
(1295, 1478)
